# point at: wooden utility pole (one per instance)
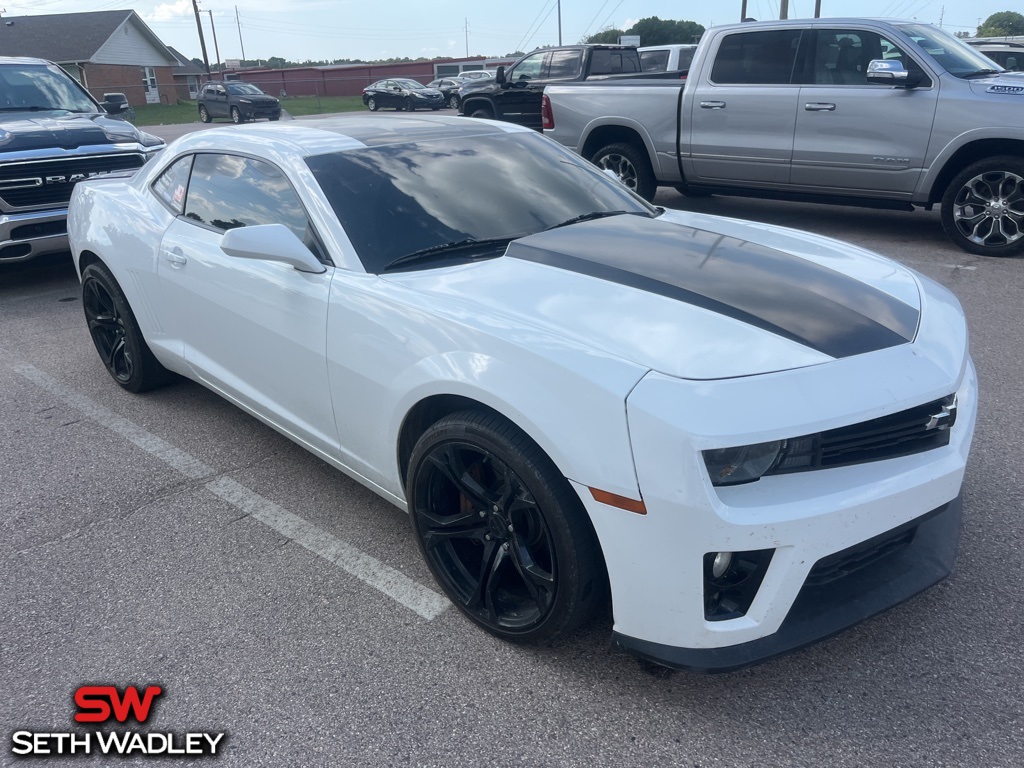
(240, 43)
(202, 40)
(216, 48)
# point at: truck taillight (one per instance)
(547, 118)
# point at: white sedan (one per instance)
(746, 437)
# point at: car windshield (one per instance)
(411, 84)
(401, 199)
(950, 53)
(244, 89)
(41, 87)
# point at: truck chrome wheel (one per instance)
(630, 165)
(983, 208)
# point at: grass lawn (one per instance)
(188, 112)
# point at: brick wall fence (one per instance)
(127, 79)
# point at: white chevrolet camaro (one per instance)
(746, 437)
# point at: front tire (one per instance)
(503, 532)
(236, 116)
(204, 116)
(630, 165)
(408, 104)
(116, 334)
(983, 207)
(453, 102)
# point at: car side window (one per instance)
(229, 191)
(171, 184)
(529, 68)
(757, 58)
(563, 65)
(842, 56)
(607, 61)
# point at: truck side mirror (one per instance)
(890, 72)
(499, 76)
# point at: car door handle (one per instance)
(712, 105)
(176, 256)
(820, 106)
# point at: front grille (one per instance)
(914, 430)
(266, 104)
(49, 182)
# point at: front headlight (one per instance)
(744, 464)
(245, 101)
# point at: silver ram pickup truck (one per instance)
(867, 112)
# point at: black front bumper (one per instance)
(842, 589)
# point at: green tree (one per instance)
(1002, 24)
(653, 31)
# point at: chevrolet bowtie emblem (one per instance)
(945, 418)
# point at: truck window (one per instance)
(529, 68)
(654, 61)
(756, 58)
(564, 65)
(614, 62)
(842, 56)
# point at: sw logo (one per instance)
(98, 702)
(102, 703)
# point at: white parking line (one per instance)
(421, 600)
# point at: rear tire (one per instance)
(503, 532)
(371, 104)
(484, 113)
(453, 102)
(983, 207)
(630, 165)
(115, 333)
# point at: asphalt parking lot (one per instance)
(171, 539)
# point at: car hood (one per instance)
(697, 297)
(66, 130)
(1010, 83)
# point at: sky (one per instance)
(357, 29)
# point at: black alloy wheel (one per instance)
(502, 531)
(630, 165)
(116, 334)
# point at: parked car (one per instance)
(54, 134)
(477, 74)
(236, 101)
(401, 93)
(753, 436)
(664, 58)
(884, 114)
(449, 88)
(1007, 54)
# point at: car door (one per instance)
(743, 113)
(254, 330)
(521, 99)
(219, 101)
(854, 136)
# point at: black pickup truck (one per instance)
(52, 135)
(515, 95)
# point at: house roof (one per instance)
(185, 66)
(68, 37)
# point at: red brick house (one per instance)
(106, 51)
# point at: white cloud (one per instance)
(170, 11)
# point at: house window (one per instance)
(149, 85)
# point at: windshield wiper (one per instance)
(487, 245)
(981, 73)
(594, 215)
(33, 108)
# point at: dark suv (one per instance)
(237, 101)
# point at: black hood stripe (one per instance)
(776, 291)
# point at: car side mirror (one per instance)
(114, 107)
(499, 76)
(270, 242)
(889, 72)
